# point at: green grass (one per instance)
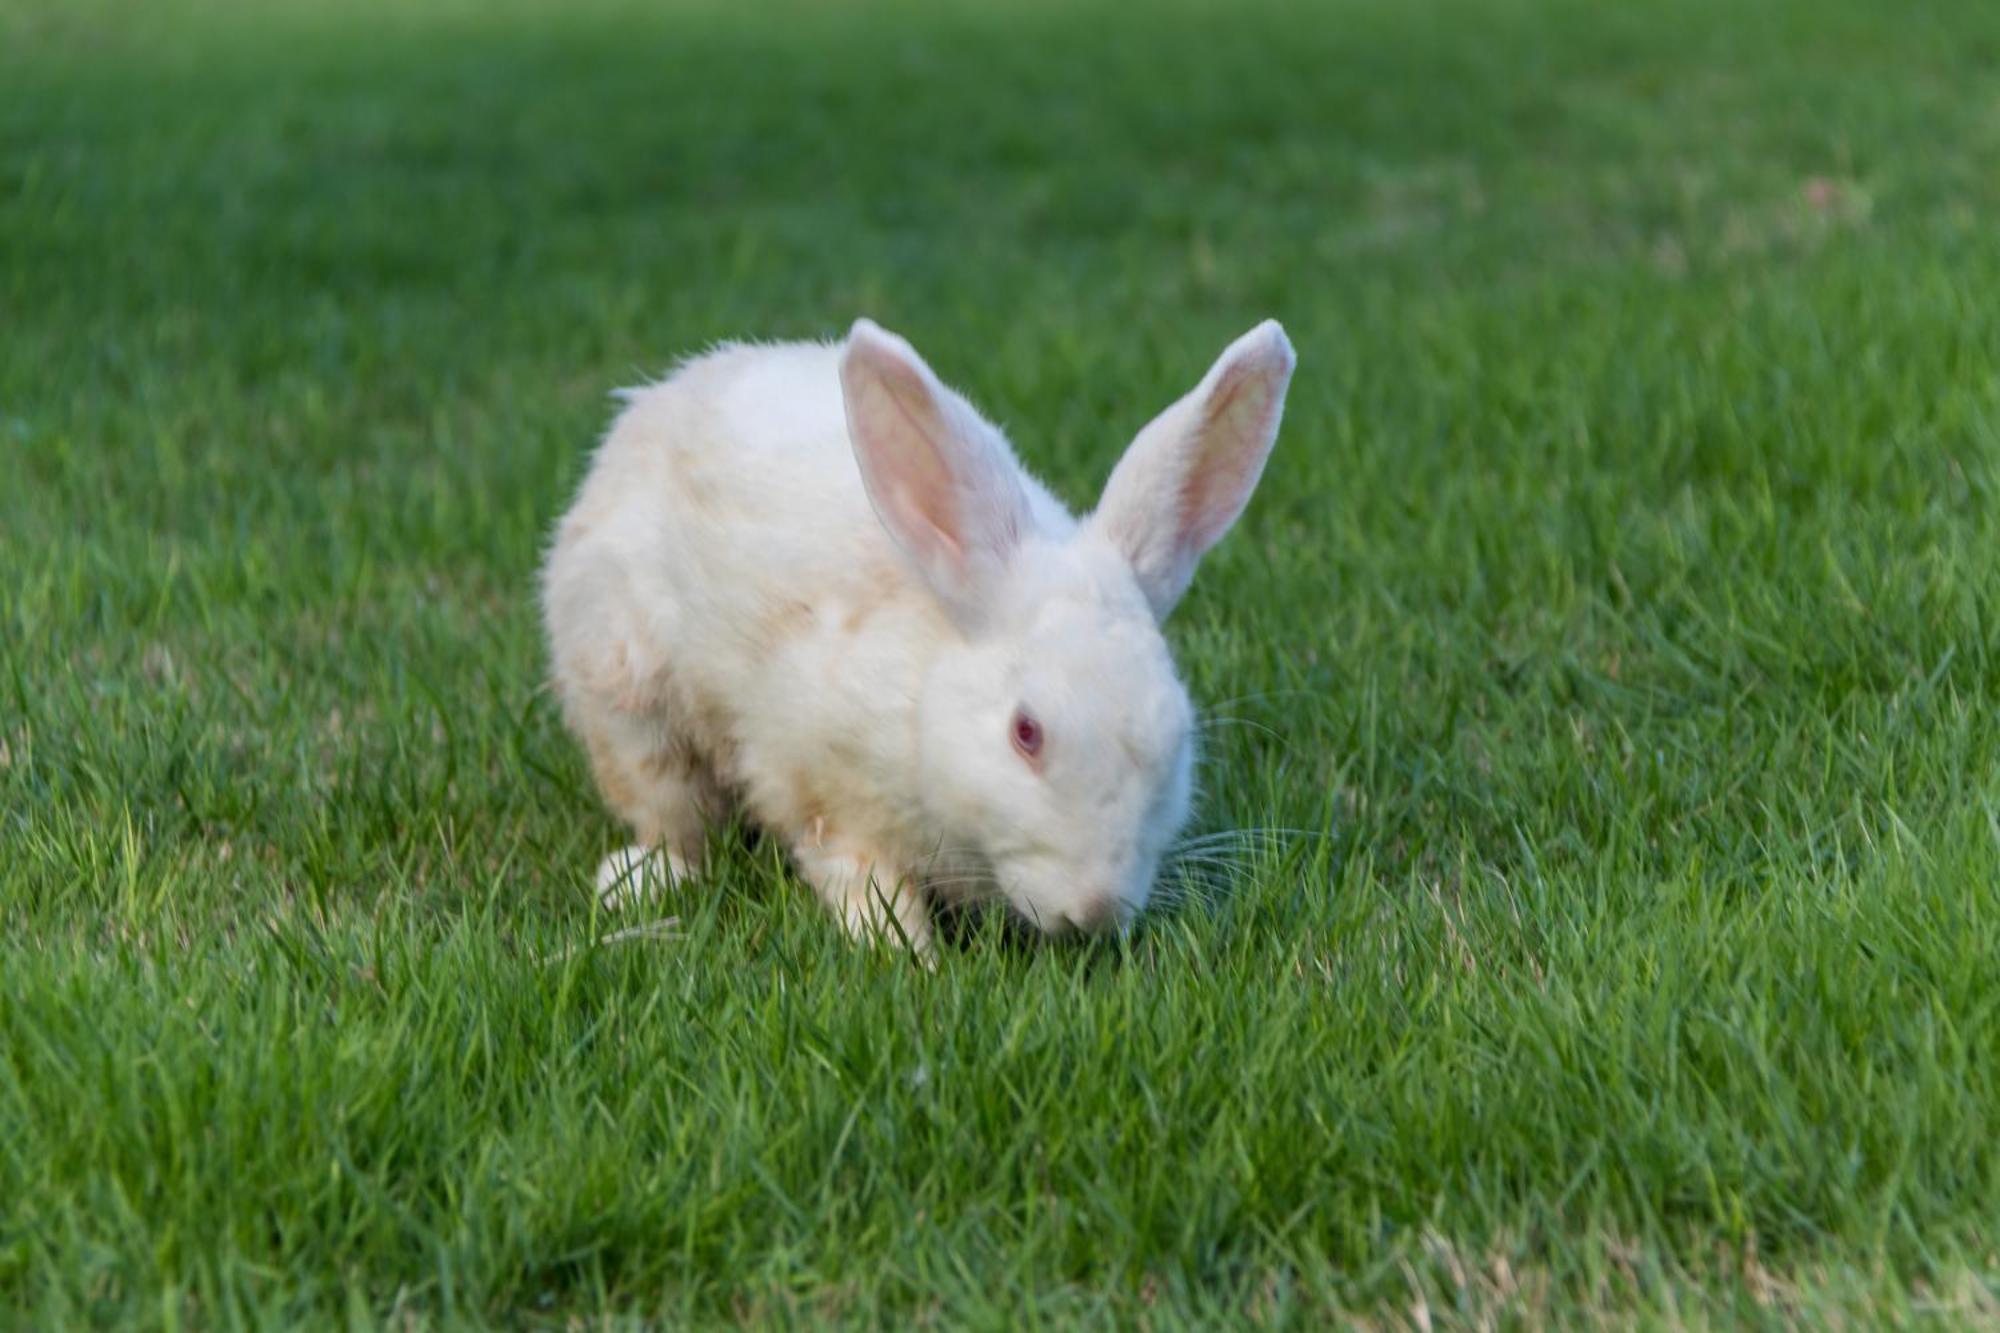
(1619, 621)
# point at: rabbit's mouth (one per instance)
(1074, 912)
(1105, 914)
(1052, 903)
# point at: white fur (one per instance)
(812, 584)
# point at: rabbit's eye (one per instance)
(1027, 735)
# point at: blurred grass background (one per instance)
(1616, 623)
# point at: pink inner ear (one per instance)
(1227, 461)
(944, 490)
(918, 481)
(939, 540)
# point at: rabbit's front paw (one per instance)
(631, 875)
(875, 903)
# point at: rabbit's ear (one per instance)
(939, 479)
(1191, 470)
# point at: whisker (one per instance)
(1207, 723)
(1262, 837)
(959, 882)
(1225, 848)
(1230, 871)
(1265, 830)
(1208, 879)
(1213, 852)
(1222, 851)
(1185, 890)
(1269, 695)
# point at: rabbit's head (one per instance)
(1055, 739)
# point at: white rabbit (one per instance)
(813, 584)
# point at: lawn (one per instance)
(1601, 690)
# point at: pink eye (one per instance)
(1027, 735)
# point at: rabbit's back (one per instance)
(736, 466)
(724, 497)
(722, 589)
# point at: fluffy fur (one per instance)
(813, 584)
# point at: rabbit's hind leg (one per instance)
(656, 783)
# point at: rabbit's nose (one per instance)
(1103, 913)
